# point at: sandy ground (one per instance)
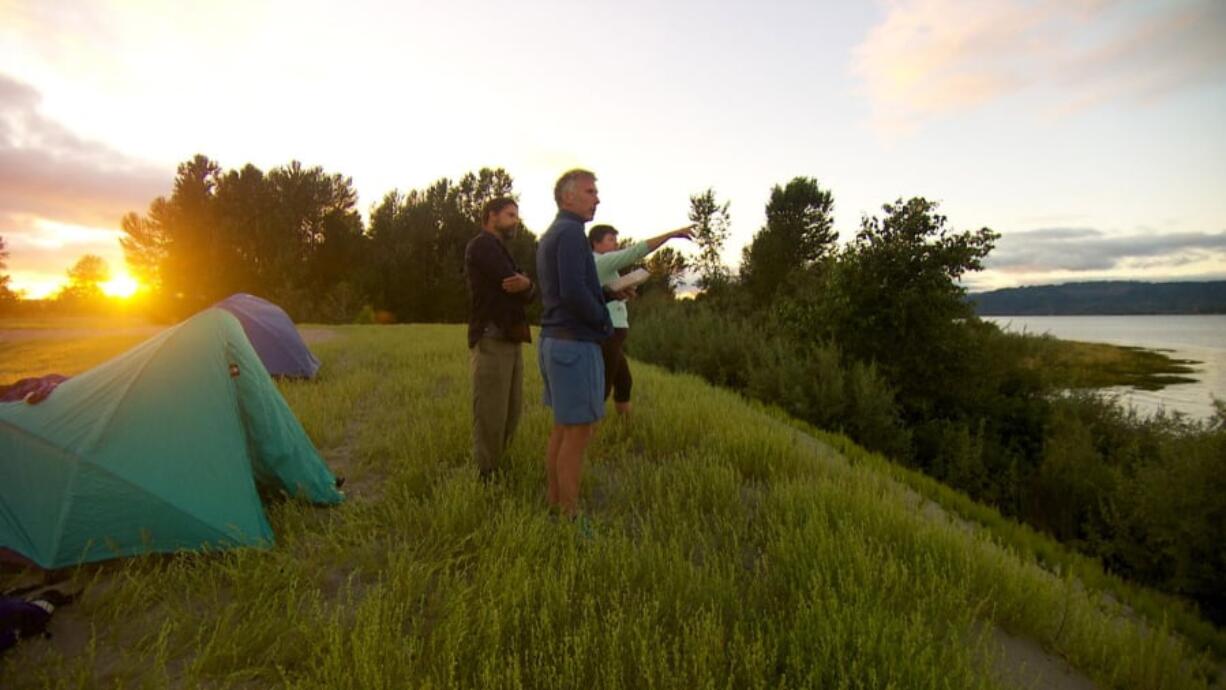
(20, 334)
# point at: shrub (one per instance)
(810, 381)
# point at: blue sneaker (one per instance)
(585, 528)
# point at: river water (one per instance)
(1198, 338)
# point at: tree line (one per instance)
(294, 235)
(1124, 297)
(7, 296)
(81, 294)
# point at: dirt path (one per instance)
(1018, 662)
(1024, 663)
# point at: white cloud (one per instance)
(927, 58)
(48, 171)
(1058, 255)
(1084, 249)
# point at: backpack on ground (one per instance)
(22, 619)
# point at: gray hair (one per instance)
(567, 182)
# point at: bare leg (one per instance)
(570, 465)
(623, 408)
(551, 462)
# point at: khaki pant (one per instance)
(498, 387)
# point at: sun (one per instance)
(122, 286)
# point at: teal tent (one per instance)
(157, 450)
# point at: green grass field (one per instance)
(733, 549)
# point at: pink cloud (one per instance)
(48, 171)
(61, 196)
(927, 58)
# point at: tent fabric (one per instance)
(273, 335)
(156, 450)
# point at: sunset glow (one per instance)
(36, 285)
(1036, 119)
(121, 285)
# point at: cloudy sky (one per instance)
(1090, 133)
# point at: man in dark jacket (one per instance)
(497, 327)
(573, 324)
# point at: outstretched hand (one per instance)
(685, 233)
(516, 283)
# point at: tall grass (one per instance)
(731, 550)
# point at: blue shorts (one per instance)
(573, 373)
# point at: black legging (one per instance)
(617, 377)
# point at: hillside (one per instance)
(1108, 297)
(733, 548)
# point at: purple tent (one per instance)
(273, 335)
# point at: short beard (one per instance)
(508, 233)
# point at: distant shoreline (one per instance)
(1072, 314)
(1105, 298)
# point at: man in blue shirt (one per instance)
(573, 324)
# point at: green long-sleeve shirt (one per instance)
(607, 267)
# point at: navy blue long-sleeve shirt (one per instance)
(486, 264)
(570, 291)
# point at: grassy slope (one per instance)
(731, 551)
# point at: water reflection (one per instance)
(1198, 338)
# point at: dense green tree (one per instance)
(418, 240)
(893, 298)
(84, 288)
(711, 226)
(264, 245)
(89, 273)
(146, 245)
(293, 235)
(176, 248)
(320, 233)
(799, 232)
(667, 267)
